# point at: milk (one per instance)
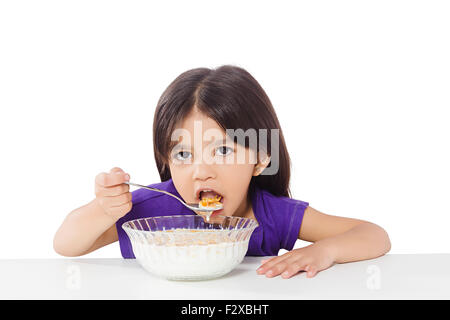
(190, 262)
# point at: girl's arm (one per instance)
(93, 226)
(335, 240)
(84, 230)
(346, 239)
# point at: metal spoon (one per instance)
(192, 206)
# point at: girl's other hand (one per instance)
(310, 259)
(112, 195)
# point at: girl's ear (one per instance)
(261, 165)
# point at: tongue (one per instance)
(209, 194)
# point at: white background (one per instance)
(361, 89)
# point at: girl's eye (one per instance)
(183, 155)
(224, 151)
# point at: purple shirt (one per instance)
(279, 218)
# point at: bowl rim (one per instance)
(254, 224)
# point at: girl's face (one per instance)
(205, 158)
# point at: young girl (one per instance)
(211, 106)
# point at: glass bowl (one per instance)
(186, 247)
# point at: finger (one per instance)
(294, 268)
(267, 259)
(116, 169)
(111, 179)
(276, 269)
(110, 202)
(311, 272)
(111, 191)
(273, 261)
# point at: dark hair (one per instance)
(235, 100)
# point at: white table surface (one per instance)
(393, 276)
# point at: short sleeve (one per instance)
(279, 218)
(290, 229)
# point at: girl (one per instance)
(220, 109)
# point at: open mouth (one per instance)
(210, 199)
(210, 194)
(207, 192)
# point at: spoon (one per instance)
(192, 206)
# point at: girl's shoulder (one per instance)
(275, 201)
(280, 217)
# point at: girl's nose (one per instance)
(203, 171)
